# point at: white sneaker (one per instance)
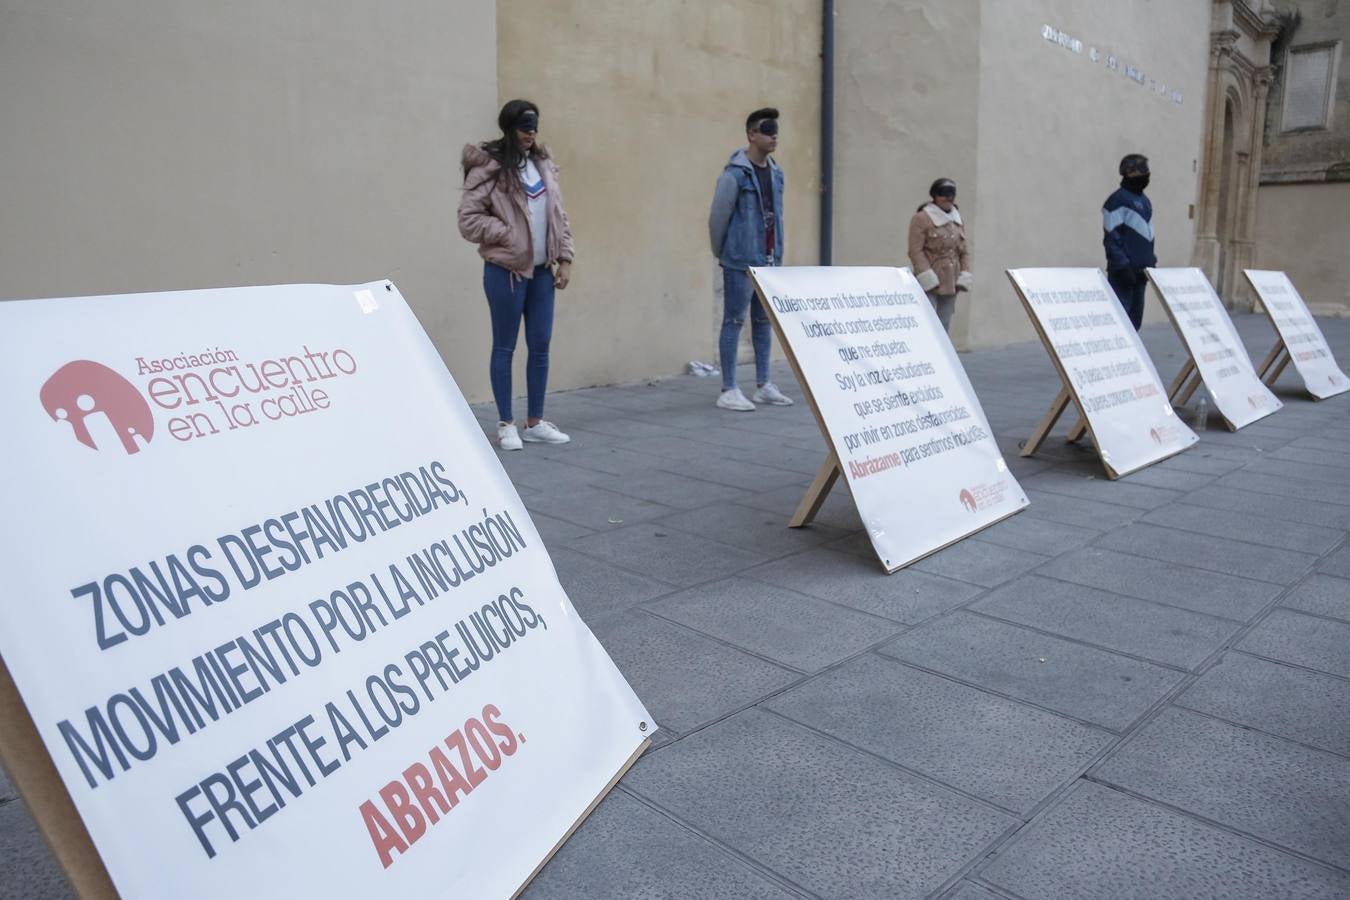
(507, 436)
(545, 433)
(734, 399)
(771, 395)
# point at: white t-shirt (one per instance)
(537, 195)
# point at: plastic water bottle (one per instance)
(1202, 411)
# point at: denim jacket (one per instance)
(736, 221)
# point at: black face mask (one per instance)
(1135, 184)
(767, 127)
(528, 121)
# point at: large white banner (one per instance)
(1097, 349)
(906, 427)
(1214, 345)
(280, 618)
(1307, 346)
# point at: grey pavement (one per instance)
(1137, 688)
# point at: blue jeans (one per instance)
(1131, 296)
(511, 298)
(738, 295)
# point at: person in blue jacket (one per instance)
(745, 226)
(1127, 225)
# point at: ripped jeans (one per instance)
(738, 296)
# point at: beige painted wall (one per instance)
(172, 144)
(1301, 228)
(1054, 125)
(907, 77)
(1030, 131)
(642, 103)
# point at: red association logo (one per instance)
(985, 495)
(84, 393)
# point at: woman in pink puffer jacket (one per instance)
(512, 209)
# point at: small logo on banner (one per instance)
(983, 496)
(84, 393)
(1165, 434)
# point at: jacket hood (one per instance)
(475, 155)
(741, 159)
(939, 217)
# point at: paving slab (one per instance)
(686, 679)
(1119, 492)
(1290, 795)
(748, 528)
(1150, 631)
(1280, 486)
(1174, 584)
(1072, 678)
(791, 628)
(833, 820)
(1271, 506)
(598, 589)
(1247, 528)
(1076, 511)
(909, 595)
(980, 562)
(678, 491)
(1309, 641)
(1337, 563)
(1100, 844)
(1038, 535)
(28, 871)
(627, 849)
(593, 507)
(1322, 595)
(1008, 753)
(667, 554)
(1202, 551)
(1298, 704)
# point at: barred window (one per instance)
(1309, 87)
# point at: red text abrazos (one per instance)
(421, 796)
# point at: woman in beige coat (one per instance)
(938, 251)
(513, 210)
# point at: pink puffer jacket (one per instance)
(497, 217)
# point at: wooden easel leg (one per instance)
(1048, 422)
(816, 493)
(1270, 359)
(1077, 431)
(1175, 387)
(1184, 397)
(1277, 369)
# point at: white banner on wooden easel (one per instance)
(1104, 365)
(894, 403)
(1215, 348)
(277, 613)
(1303, 341)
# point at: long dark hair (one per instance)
(505, 149)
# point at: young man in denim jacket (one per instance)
(746, 229)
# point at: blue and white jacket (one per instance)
(1127, 226)
(736, 220)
